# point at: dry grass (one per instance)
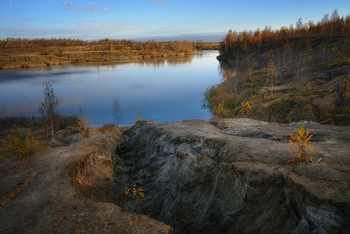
(46, 56)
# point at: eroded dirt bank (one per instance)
(69, 189)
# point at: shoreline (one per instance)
(100, 59)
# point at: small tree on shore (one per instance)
(84, 125)
(49, 108)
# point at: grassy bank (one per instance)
(20, 53)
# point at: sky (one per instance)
(135, 19)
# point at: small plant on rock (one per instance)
(135, 193)
(136, 196)
(301, 151)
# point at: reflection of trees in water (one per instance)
(180, 61)
(201, 53)
(155, 62)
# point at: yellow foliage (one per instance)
(302, 153)
(19, 145)
(85, 128)
(33, 144)
(81, 182)
(247, 109)
(221, 110)
(134, 192)
(84, 125)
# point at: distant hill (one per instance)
(206, 37)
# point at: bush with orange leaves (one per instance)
(135, 193)
(85, 128)
(81, 182)
(136, 196)
(20, 145)
(300, 149)
(84, 125)
(221, 110)
(247, 109)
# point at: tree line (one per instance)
(266, 39)
(104, 44)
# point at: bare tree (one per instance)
(272, 75)
(49, 108)
(299, 70)
(117, 113)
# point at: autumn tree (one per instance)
(300, 148)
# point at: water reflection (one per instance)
(164, 89)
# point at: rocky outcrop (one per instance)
(318, 100)
(228, 176)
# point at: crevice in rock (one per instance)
(196, 182)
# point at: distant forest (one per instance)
(272, 69)
(108, 44)
(105, 44)
(267, 39)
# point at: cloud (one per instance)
(159, 3)
(117, 26)
(94, 8)
(26, 31)
(82, 30)
(71, 6)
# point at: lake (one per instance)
(163, 90)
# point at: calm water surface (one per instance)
(164, 90)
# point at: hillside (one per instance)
(286, 75)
